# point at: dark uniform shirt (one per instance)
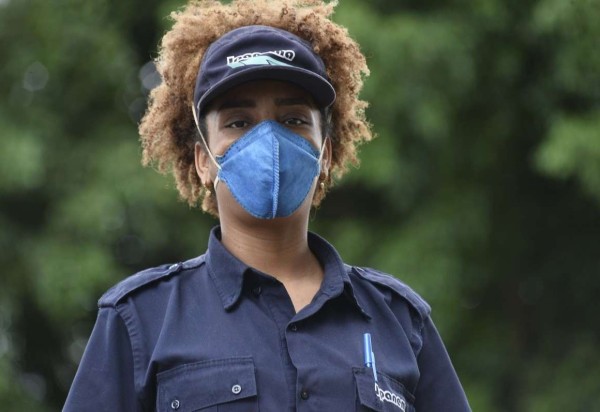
(214, 334)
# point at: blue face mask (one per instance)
(269, 170)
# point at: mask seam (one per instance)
(275, 187)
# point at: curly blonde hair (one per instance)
(168, 132)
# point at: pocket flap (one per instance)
(386, 395)
(365, 386)
(202, 384)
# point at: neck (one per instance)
(276, 247)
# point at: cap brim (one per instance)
(319, 88)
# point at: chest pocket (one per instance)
(225, 385)
(386, 395)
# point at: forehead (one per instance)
(254, 93)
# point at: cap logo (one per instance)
(260, 58)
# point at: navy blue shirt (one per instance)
(213, 334)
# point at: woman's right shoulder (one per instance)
(146, 279)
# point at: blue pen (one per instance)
(369, 355)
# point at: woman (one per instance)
(257, 110)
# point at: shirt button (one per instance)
(257, 290)
(236, 389)
(175, 404)
(293, 327)
(304, 395)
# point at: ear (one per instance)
(202, 163)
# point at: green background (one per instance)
(482, 190)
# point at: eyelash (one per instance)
(232, 125)
(295, 121)
(292, 121)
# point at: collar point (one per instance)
(229, 302)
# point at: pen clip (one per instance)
(374, 367)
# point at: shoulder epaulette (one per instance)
(143, 278)
(402, 289)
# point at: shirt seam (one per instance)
(136, 352)
(419, 334)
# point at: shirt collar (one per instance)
(228, 272)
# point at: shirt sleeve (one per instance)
(439, 388)
(105, 378)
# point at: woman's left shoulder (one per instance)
(390, 284)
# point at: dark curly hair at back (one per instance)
(167, 130)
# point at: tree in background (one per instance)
(482, 190)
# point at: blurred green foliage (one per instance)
(482, 190)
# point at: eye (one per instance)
(238, 124)
(294, 121)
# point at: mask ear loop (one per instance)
(320, 160)
(321, 154)
(324, 143)
(205, 143)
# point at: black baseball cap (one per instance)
(259, 53)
